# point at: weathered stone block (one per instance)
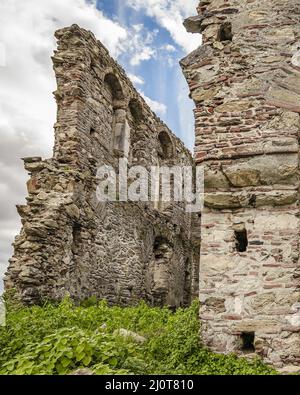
(243, 177)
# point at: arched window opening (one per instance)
(136, 110)
(114, 85)
(166, 145)
(120, 127)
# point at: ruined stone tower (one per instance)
(245, 81)
(72, 243)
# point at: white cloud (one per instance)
(170, 15)
(140, 44)
(145, 53)
(138, 28)
(169, 48)
(137, 80)
(155, 106)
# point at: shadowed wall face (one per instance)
(245, 81)
(70, 242)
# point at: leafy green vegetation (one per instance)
(57, 340)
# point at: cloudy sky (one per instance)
(146, 36)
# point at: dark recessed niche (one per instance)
(252, 200)
(166, 151)
(225, 32)
(248, 339)
(92, 132)
(76, 235)
(113, 84)
(241, 240)
(136, 110)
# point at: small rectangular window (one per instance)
(76, 237)
(241, 240)
(248, 342)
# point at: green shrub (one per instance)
(56, 340)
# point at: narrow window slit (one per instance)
(241, 240)
(136, 110)
(76, 235)
(248, 339)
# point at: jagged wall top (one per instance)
(88, 78)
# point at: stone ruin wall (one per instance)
(70, 243)
(245, 81)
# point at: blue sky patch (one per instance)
(161, 73)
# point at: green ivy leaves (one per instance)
(69, 349)
(57, 340)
